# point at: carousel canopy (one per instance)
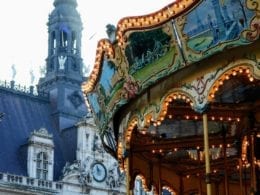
(143, 50)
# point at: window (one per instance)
(87, 138)
(74, 42)
(53, 43)
(42, 166)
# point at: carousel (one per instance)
(176, 97)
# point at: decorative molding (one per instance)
(42, 132)
(253, 33)
(76, 99)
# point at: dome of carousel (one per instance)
(176, 95)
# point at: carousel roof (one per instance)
(144, 50)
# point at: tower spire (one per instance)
(71, 2)
(64, 66)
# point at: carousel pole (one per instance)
(160, 176)
(128, 176)
(225, 162)
(240, 176)
(206, 149)
(253, 175)
(200, 184)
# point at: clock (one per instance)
(99, 172)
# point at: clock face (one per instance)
(99, 172)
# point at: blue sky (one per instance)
(24, 38)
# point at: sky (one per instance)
(24, 37)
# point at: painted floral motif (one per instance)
(254, 31)
(199, 88)
(130, 88)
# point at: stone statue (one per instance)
(85, 177)
(70, 168)
(115, 178)
(13, 72)
(111, 32)
(32, 77)
(62, 60)
(42, 70)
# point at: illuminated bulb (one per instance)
(170, 116)
(238, 119)
(221, 118)
(251, 79)
(195, 117)
(226, 77)
(240, 70)
(247, 71)
(213, 118)
(234, 73)
(220, 82)
(212, 95)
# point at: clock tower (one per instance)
(63, 77)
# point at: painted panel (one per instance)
(206, 32)
(95, 107)
(108, 70)
(149, 54)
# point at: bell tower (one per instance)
(63, 77)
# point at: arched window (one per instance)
(42, 166)
(74, 42)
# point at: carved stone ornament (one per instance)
(115, 178)
(42, 132)
(76, 99)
